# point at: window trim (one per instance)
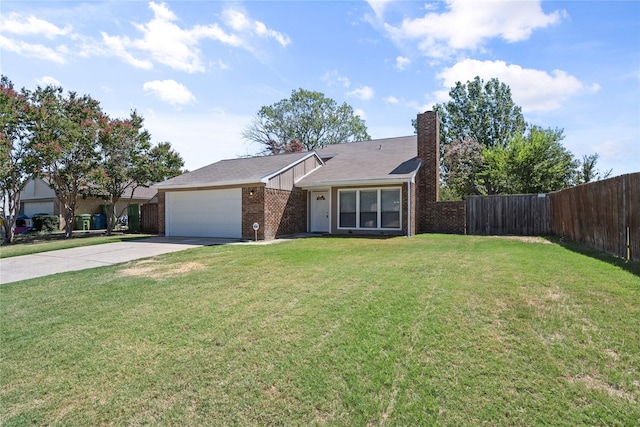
(379, 209)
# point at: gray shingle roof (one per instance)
(376, 161)
(380, 160)
(245, 170)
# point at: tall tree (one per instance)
(66, 135)
(535, 162)
(484, 112)
(124, 146)
(538, 162)
(18, 159)
(309, 117)
(161, 163)
(588, 172)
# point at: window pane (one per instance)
(348, 209)
(390, 200)
(390, 215)
(368, 201)
(369, 209)
(390, 219)
(347, 201)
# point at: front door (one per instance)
(320, 211)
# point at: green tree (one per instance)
(588, 172)
(535, 162)
(18, 158)
(124, 145)
(479, 111)
(161, 163)
(309, 117)
(538, 162)
(66, 132)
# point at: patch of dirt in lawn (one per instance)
(525, 239)
(155, 270)
(595, 384)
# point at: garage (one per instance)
(204, 213)
(30, 208)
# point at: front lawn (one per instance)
(429, 330)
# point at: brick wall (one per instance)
(286, 212)
(253, 211)
(161, 213)
(447, 217)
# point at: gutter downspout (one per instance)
(408, 208)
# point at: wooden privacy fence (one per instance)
(514, 214)
(603, 215)
(149, 218)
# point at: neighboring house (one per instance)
(385, 186)
(38, 198)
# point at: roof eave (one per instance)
(207, 184)
(358, 182)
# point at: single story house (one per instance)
(39, 198)
(384, 186)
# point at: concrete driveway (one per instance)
(43, 264)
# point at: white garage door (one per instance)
(207, 213)
(32, 208)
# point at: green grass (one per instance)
(46, 243)
(430, 330)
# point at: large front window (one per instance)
(370, 208)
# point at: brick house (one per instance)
(383, 187)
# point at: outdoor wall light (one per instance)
(252, 192)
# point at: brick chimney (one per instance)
(427, 184)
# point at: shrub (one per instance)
(46, 222)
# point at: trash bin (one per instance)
(83, 222)
(133, 212)
(98, 221)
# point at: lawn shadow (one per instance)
(632, 267)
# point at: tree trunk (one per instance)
(69, 215)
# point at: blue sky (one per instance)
(199, 71)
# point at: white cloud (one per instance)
(467, 25)
(391, 100)
(379, 6)
(117, 46)
(364, 93)
(334, 78)
(17, 24)
(169, 91)
(360, 113)
(240, 22)
(165, 42)
(48, 81)
(533, 90)
(38, 51)
(402, 63)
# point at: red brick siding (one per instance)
(285, 212)
(161, 213)
(446, 217)
(428, 177)
(253, 211)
